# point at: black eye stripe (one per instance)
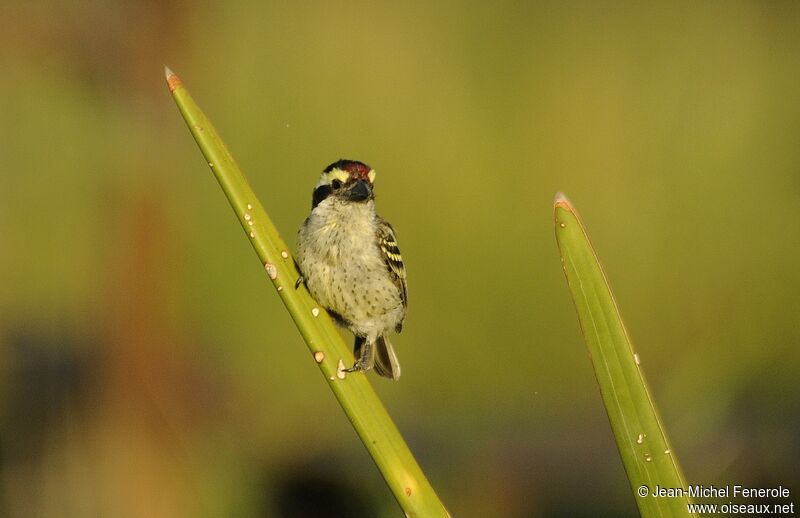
(320, 193)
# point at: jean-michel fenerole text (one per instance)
(727, 491)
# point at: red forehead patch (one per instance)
(355, 168)
(358, 169)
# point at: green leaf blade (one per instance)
(352, 390)
(645, 450)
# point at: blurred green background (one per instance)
(148, 369)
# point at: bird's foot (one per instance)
(359, 366)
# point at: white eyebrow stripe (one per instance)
(336, 174)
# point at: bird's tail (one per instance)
(386, 363)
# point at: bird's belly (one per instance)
(361, 293)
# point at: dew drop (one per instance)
(247, 216)
(249, 207)
(640, 439)
(340, 372)
(648, 457)
(271, 270)
(285, 254)
(562, 225)
(315, 312)
(636, 358)
(319, 356)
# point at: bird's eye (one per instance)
(336, 184)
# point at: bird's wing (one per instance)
(391, 253)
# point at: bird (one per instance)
(350, 262)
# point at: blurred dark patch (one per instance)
(46, 372)
(318, 490)
(47, 378)
(764, 423)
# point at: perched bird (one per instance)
(350, 262)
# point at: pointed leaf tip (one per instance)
(173, 81)
(561, 200)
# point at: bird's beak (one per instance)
(360, 191)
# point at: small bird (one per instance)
(350, 262)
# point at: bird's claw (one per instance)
(357, 367)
